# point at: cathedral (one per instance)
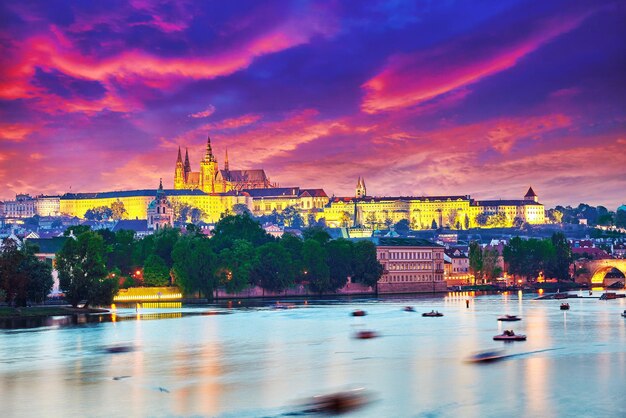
(210, 179)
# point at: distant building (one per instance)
(410, 265)
(210, 179)
(160, 211)
(426, 212)
(48, 205)
(458, 270)
(22, 207)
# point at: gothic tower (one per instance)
(187, 166)
(179, 173)
(360, 188)
(208, 170)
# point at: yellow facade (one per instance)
(213, 206)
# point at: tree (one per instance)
(76, 230)
(233, 227)
(156, 272)
(181, 212)
(38, 273)
(82, 270)
(293, 245)
(452, 217)
(388, 222)
(482, 219)
(345, 219)
(339, 258)
(491, 270)
(476, 259)
(195, 264)
(467, 221)
(562, 259)
(402, 227)
(22, 276)
(555, 216)
(241, 209)
(366, 268)
(272, 270)
(289, 215)
(317, 233)
(99, 213)
(314, 259)
(371, 219)
(235, 265)
(433, 224)
(118, 211)
(164, 241)
(620, 218)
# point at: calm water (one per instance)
(261, 362)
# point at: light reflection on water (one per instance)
(261, 362)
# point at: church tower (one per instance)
(208, 170)
(360, 188)
(531, 195)
(179, 173)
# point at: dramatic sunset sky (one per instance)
(420, 98)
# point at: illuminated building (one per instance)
(22, 207)
(265, 201)
(457, 271)
(210, 179)
(425, 212)
(212, 206)
(160, 211)
(48, 205)
(410, 265)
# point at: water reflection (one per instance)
(258, 361)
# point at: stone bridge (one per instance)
(593, 271)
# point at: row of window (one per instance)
(409, 266)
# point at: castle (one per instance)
(210, 179)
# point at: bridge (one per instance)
(593, 272)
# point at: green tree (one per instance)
(272, 270)
(121, 255)
(22, 276)
(317, 233)
(314, 259)
(241, 209)
(620, 218)
(235, 265)
(340, 260)
(293, 245)
(76, 230)
(476, 259)
(195, 264)
(82, 270)
(467, 221)
(366, 268)
(562, 257)
(433, 224)
(156, 272)
(164, 241)
(234, 227)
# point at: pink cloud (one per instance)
(205, 113)
(15, 132)
(411, 79)
(238, 122)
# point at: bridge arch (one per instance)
(600, 268)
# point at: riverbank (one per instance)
(38, 311)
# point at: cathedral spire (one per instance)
(180, 159)
(209, 152)
(187, 165)
(226, 160)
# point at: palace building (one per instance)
(212, 179)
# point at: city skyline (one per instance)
(423, 99)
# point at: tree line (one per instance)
(524, 258)
(239, 254)
(23, 277)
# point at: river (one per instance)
(262, 362)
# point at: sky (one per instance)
(484, 98)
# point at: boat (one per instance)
(624, 313)
(432, 314)
(561, 296)
(337, 403)
(486, 356)
(359, 312)
(509, 318)
(509, 335)
(365, 335)
(409, 309)
(564, 306)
